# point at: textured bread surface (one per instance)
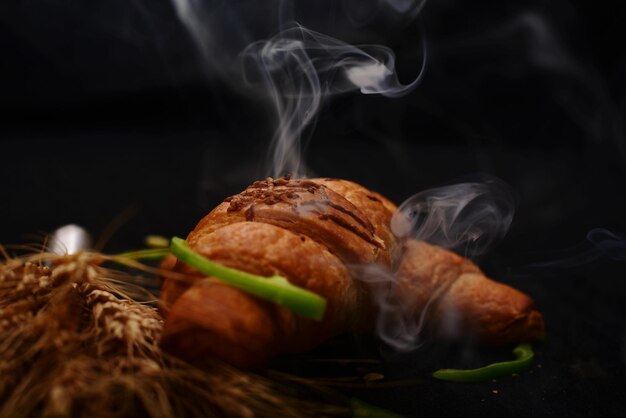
(305, 207)
(462, 302)
(317, 233)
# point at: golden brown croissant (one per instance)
(459, 302)
(319, 233)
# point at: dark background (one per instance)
(108, 117)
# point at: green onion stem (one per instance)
(524, 356)
(275, 288)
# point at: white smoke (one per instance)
(396, 325)
(466, 217)
(299, 68)
(296, 69)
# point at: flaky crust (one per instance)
(304, 207)
(376, 208)
(462, 303)
(317, 233)
(234, 317)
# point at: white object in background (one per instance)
(69, 239)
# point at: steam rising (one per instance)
(396, 325)
(299, 68)
(465, 217)
(296, 70)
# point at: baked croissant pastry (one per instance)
(318, 233)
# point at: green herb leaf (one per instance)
(275, 288)
(524, 356)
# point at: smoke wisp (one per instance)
(299, 68)
(295, 70)
(395, 325)
(465, 217)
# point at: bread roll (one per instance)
(318, 234)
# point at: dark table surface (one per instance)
(108, 120)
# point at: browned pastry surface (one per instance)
(234, 317)
(304, 207)
(316, 233)
(461, 302)
(376, 208)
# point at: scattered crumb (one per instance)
(539, 366)
(372, 377)
(493, 380)
(515, 375)
(495, 391)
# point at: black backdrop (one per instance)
(107, 116)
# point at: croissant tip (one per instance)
(535, 326)
(527, 327)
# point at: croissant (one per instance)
(319, 233)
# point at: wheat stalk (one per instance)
(74, 343)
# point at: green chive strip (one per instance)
(275, 288)
(524, 356)
(150, 254)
